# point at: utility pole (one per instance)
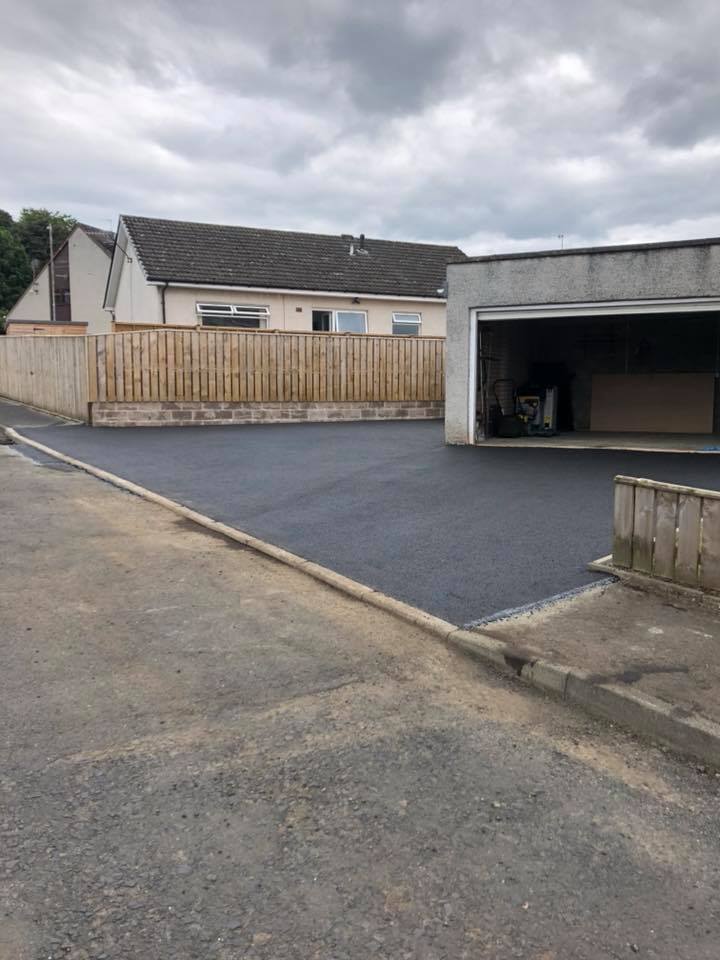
(51, 273)
(561, 238)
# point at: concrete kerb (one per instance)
(696, 736)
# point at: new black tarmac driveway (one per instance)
(461, 532)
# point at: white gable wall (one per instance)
(34, 304)
(137, 301)
(89, 266)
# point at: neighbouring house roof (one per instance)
(226, 256)
(105, 239)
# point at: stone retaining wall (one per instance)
(187, 413)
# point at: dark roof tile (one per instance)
(105, 239)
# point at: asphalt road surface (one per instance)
(205, 754)
(460, 532)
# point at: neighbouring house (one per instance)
(189, 274)
(628, 335)
(79, 276)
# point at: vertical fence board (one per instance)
(666, 505)
(256, 385)
(273, 371)
(187, 367)
(162, 364)
(204, 364)
(102, 368)
(243, 366)
(92, 369)
(219, 363)
(154, 371)
(144, 366)
(309, 368)
(710, 549)
(234, 367)
(439, 373)
(215, 366)
(226, 367)
(624, 512)
(110, 368)
(126, 346)
(119, 369)
(264, 367)
(643, 529)
(170, 338)
(333, 362)
(688, 544)
(195, 361)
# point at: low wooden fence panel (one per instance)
(256, 367)
(668, 531)
(47, 372)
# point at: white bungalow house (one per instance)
(189, 274)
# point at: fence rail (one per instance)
(187, 365)
(668, 531)
(46, 372)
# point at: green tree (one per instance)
(31, 230)
(6, 220)
(15, 272)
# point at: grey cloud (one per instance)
(389, 63)
(409, 118)
(677, 104)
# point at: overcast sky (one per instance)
(493, 124)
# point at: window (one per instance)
(322, 321)
(406, 324)
(339, 321)
(233, 315)
(351, 321)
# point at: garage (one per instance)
(597, 346)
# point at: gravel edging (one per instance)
(692, 735)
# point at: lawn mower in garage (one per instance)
(528, 412)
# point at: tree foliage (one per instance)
(31, 230)
(15, 272)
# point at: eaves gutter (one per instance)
(295, 292)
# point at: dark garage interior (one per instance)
(633, 373)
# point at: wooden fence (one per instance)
(261, 367)
(668, 531)
(46, 372)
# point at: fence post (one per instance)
(623, 523)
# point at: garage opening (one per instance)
(590, 380)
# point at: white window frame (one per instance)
(334, 319)
(353, 332)
(410, 323)
(240, 311)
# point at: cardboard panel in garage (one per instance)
(653, 403)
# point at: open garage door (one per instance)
(655, 373)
